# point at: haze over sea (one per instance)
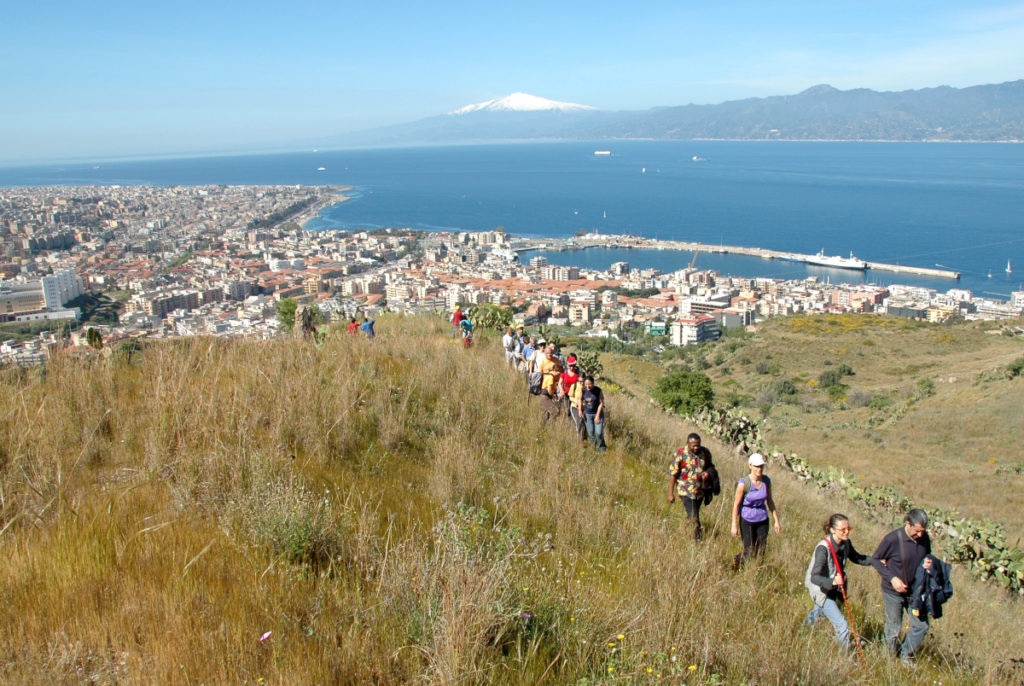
(957, 206)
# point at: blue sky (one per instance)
(107, 79)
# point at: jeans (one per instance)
(894, 607)
(595, 430)
(830, 610)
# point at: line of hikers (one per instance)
(556, 380)
(914, 581)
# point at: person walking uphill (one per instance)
(897, 558)
(592, 406)
(750, 509)
(826, 575)
(686, 479)
(457, 318)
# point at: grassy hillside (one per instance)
(395, 511)
(928, 409)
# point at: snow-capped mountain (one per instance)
(978, 113)
(522, 102)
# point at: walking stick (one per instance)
(846, 604)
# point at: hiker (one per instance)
(539, 351)
(686, 479)
(353, 326)
(525, 355)
(592, 404)
(466, 329)
(511, 345)
(457, 318)
(570, 377)
(826, 575)
(367, 327)
(574, 396)
(551, 371)
(750, 510)
(520, 342)
(896, 560)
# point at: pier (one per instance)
(608, 241)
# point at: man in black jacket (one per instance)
(897, 558)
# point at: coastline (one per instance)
(336, 196)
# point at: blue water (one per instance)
(960, 206)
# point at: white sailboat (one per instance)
(1009, 270)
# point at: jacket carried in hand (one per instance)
(931, 588)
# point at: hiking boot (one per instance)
(737, 560)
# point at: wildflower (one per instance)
(265, 636)
(611, 669)
(692, 668)
(621, 636)
(525, 615)
(611, 644)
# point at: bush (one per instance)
(684, 392)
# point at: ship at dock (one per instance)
(835, 261)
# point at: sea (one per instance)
(954, 206)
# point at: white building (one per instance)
(695, 329)
(61, 287)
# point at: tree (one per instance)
(286, 313)
(684, 392)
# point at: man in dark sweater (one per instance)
(897, 558)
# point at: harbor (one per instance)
(820, 259)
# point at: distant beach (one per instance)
(336, 197)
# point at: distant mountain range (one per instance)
(978, 113)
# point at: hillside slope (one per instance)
(395, 511)
(927, 409)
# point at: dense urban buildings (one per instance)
(215, 260)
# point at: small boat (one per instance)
(1009, 270)
(602, 153)
(698, 158)
(321, 168)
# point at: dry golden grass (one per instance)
(396, 512)
(943, 450)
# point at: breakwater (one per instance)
(598, 241)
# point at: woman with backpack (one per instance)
(750, 509)
(826, 575)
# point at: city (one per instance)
(215, 260)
